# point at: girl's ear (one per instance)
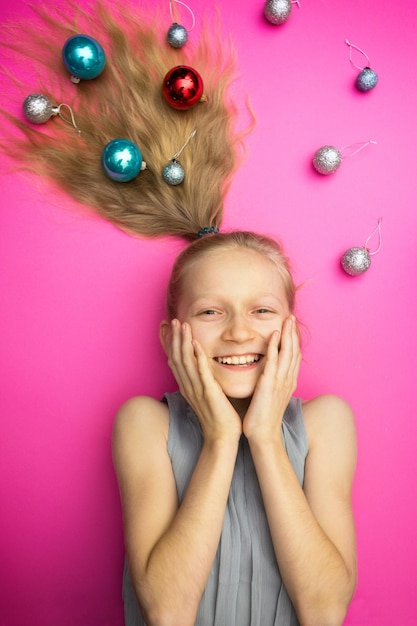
(165, 335)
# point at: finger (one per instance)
(287, 348)
(296, 351)
(272, 353)
(194, 360)
(290, 354)
(203, 365)
(175, 360)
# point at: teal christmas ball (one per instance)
(121, 160)
(83, 57)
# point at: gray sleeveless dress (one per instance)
(244, 587)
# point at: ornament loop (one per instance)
(71, 122)
(173, 173)
(171, 12)
(351, 45)
(376, 230)
(362, 145)
(178, 154)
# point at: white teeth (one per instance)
(238, 360)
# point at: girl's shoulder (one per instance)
(328, 417)
(139, 405)
(141, 417)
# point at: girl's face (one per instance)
(234, 300)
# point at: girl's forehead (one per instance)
(228, 260)
(240, 271)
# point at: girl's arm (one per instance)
(312, 528)
(171, 549)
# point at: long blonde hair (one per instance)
(126, 101)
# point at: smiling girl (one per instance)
(236, 496)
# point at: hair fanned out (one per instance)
(126, 101)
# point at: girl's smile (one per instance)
(243, 360)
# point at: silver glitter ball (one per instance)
(277, 11)
(38, 108)
(173, 173)
(356, 261)
(327, 159)
(366, 80)
(177, 36)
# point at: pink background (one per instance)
(81, 303)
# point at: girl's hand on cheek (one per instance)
(196, 382)
(276, 384)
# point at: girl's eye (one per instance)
(208, 312)
(263, 311)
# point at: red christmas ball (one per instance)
(183, 87)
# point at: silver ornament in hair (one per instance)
(278, 11)
(328, 159)
(177, 35)
(173, 173)
(357, 259)
(367, 78)
(38, 109)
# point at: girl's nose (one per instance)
(238, 329)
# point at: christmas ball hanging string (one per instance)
(173, 173)
(357, 260)
(177, 35)
(278, 11)
(368, 78)
(327, 159)
(38, 109)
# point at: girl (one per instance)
(235, 495)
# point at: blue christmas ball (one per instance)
(84, 57)
(121, 160)
(366, 80)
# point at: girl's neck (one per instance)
(240, 405)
